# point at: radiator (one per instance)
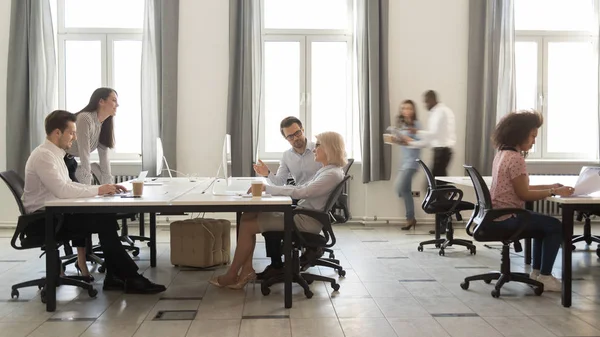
(547, 207)
(122, 178)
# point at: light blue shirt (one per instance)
(302, 167)
(409, 154)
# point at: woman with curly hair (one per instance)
(514, 136)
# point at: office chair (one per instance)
(485, 230)
(315, 241)
(340, 211)
(444, 201)
(30, 239)
(587, 236)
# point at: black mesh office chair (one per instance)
(483, 229)
(444, 201)
(587, 236)
(308, 240)
(340, 211)
(30, 238)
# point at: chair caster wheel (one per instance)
(335, 286)
(473, 251)
(437, 245)
(538, 291)
(342, 272)
(420, 248)
(308, 294)
(442, 253)
(331, 256)
(101, 269)
(464, 285)
(487, 281)
(92, 292)
(135, 253)
(573, 247)
(598, 252)
(265, 290)
(148, 244)
(310, 281)
(14, 293)
(496, 293)
(43, 296)
(40, 287)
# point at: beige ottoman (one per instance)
(200, 242)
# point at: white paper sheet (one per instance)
(588, 181)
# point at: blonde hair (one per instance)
(334, 147)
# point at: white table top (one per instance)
(173, 191)
(535, 180)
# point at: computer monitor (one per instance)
(160, 157)
(226, 160)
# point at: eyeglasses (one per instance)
(294, 135)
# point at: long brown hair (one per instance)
(107, 133)
(400, 120)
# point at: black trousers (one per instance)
(116, 259)
(441, 159)
(72, 167)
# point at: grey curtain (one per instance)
(31, 79)
(244, 96)
(371, 26)
(491, 76)
(159, 81)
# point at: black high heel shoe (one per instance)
(87, 278)
(410, 224)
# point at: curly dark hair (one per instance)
(514, 128)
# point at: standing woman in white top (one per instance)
(95, 131)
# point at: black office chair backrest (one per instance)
(348, 165)
(428, 174)
(16, 185)
(484, 199)
(335, 194)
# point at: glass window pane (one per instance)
(127, 82)
(572, 114)
(329, 88)
(282, 90)
(526, 71)
(83, 72)
(569, 15)
(104, 13)
(306, 14)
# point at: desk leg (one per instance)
(51, 263)
(238, 221)
(142, 225)
(152, 239)
(567, 221)
(287, 252)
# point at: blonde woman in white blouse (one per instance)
(95, 131)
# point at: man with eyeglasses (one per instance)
(297, 162)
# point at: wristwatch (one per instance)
(552, 192)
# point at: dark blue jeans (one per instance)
(546, 232)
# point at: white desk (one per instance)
(569, 206)
(177, 195)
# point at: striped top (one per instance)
(88, 134)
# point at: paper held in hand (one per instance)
(390, 132)
(588, 181)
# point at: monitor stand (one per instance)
(168, 169)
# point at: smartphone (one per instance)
(131, 196)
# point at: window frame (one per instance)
(306, 37)
(107, 36)
(543, 38)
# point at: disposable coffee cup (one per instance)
(138, 188)
(257, 188)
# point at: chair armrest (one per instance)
(443, 192)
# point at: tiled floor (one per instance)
(390, 290)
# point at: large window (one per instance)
(307, 70)
(99, 43)
(556, 55)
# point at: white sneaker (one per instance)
(535, 273)
(550, 283)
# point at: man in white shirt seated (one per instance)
(440, 135)
(47, 178)
(299, 162)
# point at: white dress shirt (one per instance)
(47, 178)
(302, 166)
(441, 130)
(315, 192)
(88, 140)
